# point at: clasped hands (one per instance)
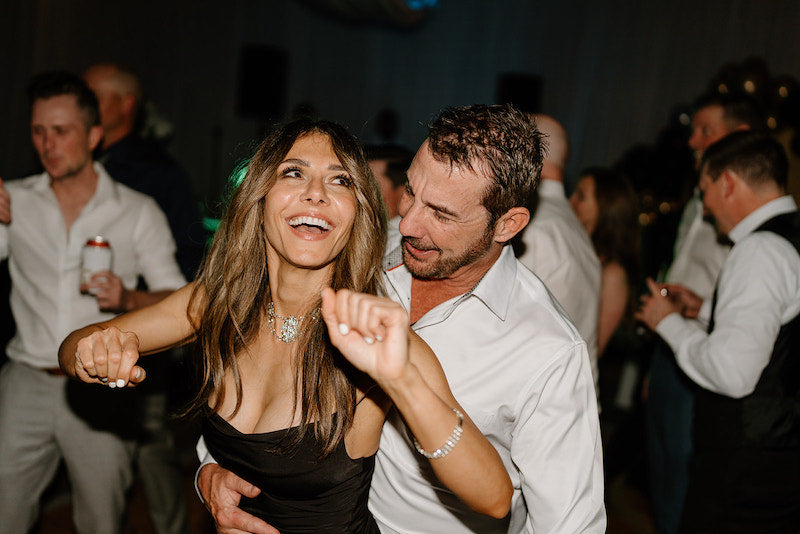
(665, 299)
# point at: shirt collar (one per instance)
(42, 183)
(551, 189)
(496, 286)
(494, 289)
(771, 209)
(106, 189)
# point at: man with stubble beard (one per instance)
(512, 357)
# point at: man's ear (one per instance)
(95, 136)
(128, 104)
(511, 223)
(730, 183)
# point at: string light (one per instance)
(772, 123)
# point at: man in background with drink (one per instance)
(46, 220)
(146, 166)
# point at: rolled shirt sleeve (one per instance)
(155, 249)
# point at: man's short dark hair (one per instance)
(737, 109)
(397, 157)
(755, 156)
(57, 83)
(498, 140)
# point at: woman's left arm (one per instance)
(373, 334)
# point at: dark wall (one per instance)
(612, 71)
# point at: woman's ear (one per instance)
(511, 223)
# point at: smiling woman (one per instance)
(297, 172)
(290, 403)
(312, 205)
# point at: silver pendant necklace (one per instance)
(291, 324)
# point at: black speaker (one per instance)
(522, 90)
(263, 71)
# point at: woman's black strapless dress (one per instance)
(299, 492)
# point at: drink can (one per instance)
(95, 257)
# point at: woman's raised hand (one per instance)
(108, 357)
(371, 332)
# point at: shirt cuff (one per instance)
(205, 459)
(671, 330)
(704, 315)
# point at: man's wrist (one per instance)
(670, 327)
(205, 458)
(197, 475)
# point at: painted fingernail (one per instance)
(664, 292)
(112, 385)
(104, 380)
(369, 340)
(379, 338)
(139, 373)
(120, 383)
(343, 329)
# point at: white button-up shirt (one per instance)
(698, 254)
(559, 251)
(758, 292)
(45, 259)
(520, 369)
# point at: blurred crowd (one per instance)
(688, 309)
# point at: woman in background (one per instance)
(607, 206)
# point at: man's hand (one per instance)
(689, 301)
(5, 204)
(108, 289)
(656, 306)
(222, 491)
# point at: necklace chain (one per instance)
(290, 328)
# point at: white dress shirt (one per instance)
(519, 368)
(559, 251)
(393, 229)
(45, 259)
(698, 256)
(758, 292)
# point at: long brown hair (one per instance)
(233, 291)
(617, 235)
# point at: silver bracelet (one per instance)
(448, 446)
